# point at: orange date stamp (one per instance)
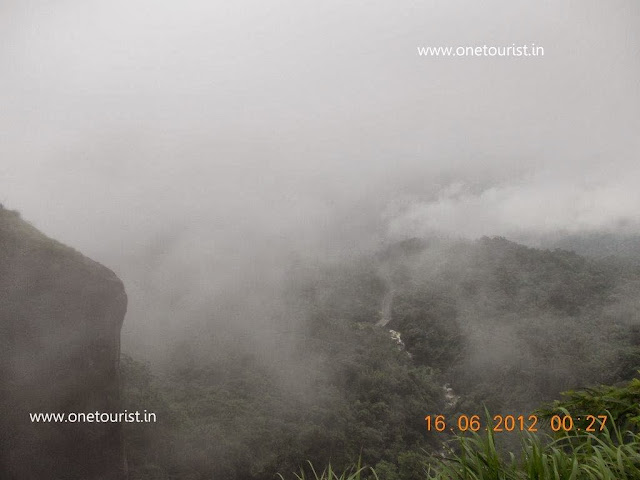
(515, 423)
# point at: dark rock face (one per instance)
(60, 320)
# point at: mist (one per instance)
(278, 184)
(199, 149)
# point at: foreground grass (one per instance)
(610, 455)
(355, 473)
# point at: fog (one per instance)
(200, 148)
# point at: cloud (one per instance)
(195, 146)
(544, 203)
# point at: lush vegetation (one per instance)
(508, 327)
(236, 420)
(610, 452)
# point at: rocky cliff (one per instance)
(60, 320)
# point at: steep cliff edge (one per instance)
(60, 320)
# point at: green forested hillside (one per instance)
(506, 326)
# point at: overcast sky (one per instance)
(184, 138)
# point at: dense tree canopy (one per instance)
(507, 326)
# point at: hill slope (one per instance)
(60, 319)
